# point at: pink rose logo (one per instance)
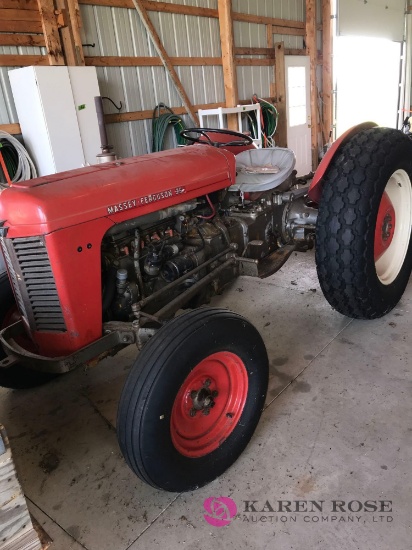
(220, 511)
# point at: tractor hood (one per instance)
(118, 190)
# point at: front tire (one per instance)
(17, 377)
(363, 233)
(193, 399)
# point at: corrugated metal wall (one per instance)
(7, 110)
(119, 32)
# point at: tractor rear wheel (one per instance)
(363, 233)
(193, 399)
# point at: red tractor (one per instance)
(105, 256)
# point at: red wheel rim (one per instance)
(385, 226)
(209, 404)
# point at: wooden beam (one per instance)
(276, 29)
(12, 60)
(70, 33)
(22, 40)
(76, 25)
(228, 59)
(21, 26)
(253, 62)
(155, 6)
(138, 4)
(295, 51)
(144, 115)
(51, 32)
(194, 10)
(327, 81)
(19, 4)
(115, 61)
(280, 87)
(249, 18)
(269, 36)
(311, 51)
(132, 61)
(12, 128)
(19, 15)
(178, 8)
(269, 51)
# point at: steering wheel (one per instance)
(242, 140)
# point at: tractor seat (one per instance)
(263, 169)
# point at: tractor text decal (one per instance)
(147, 199)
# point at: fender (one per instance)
(316, 187)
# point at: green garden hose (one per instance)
(269, 121)
(160, 125)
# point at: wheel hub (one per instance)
(203, 399)
(385, 226)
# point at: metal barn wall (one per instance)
(251, 35)
(119, 32)
(7, 110)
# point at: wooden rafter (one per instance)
(22, 40)
(228, 59)
(327, 81)
(312, 53)
(51, 32)
(19, 4)
(138, 4)
(144, 115)
(13, 128)
(15, 60)
(70, 32)
(151, 5)
(132, 61)
(280, 88)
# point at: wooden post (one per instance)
(70, 32)
(311, 51)
(327, 82)
(280, 87)
(138, 4)
(228, 59)
(269, 36)
(51, 32)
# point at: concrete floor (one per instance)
(336, 427)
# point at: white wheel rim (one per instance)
(399, 191)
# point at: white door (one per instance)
(297, 69)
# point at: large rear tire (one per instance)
(363, 233)
(193, 399)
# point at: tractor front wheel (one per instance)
(17, 377)
(193, 399)
(363, 233)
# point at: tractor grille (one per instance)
(33, 281)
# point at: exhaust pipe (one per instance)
(107, 154)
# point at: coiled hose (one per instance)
(269, 121)
(17, 161)
(160, 125)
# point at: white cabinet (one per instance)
(56, 111)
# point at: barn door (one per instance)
(297, 69)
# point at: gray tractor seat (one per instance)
(259, 170)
